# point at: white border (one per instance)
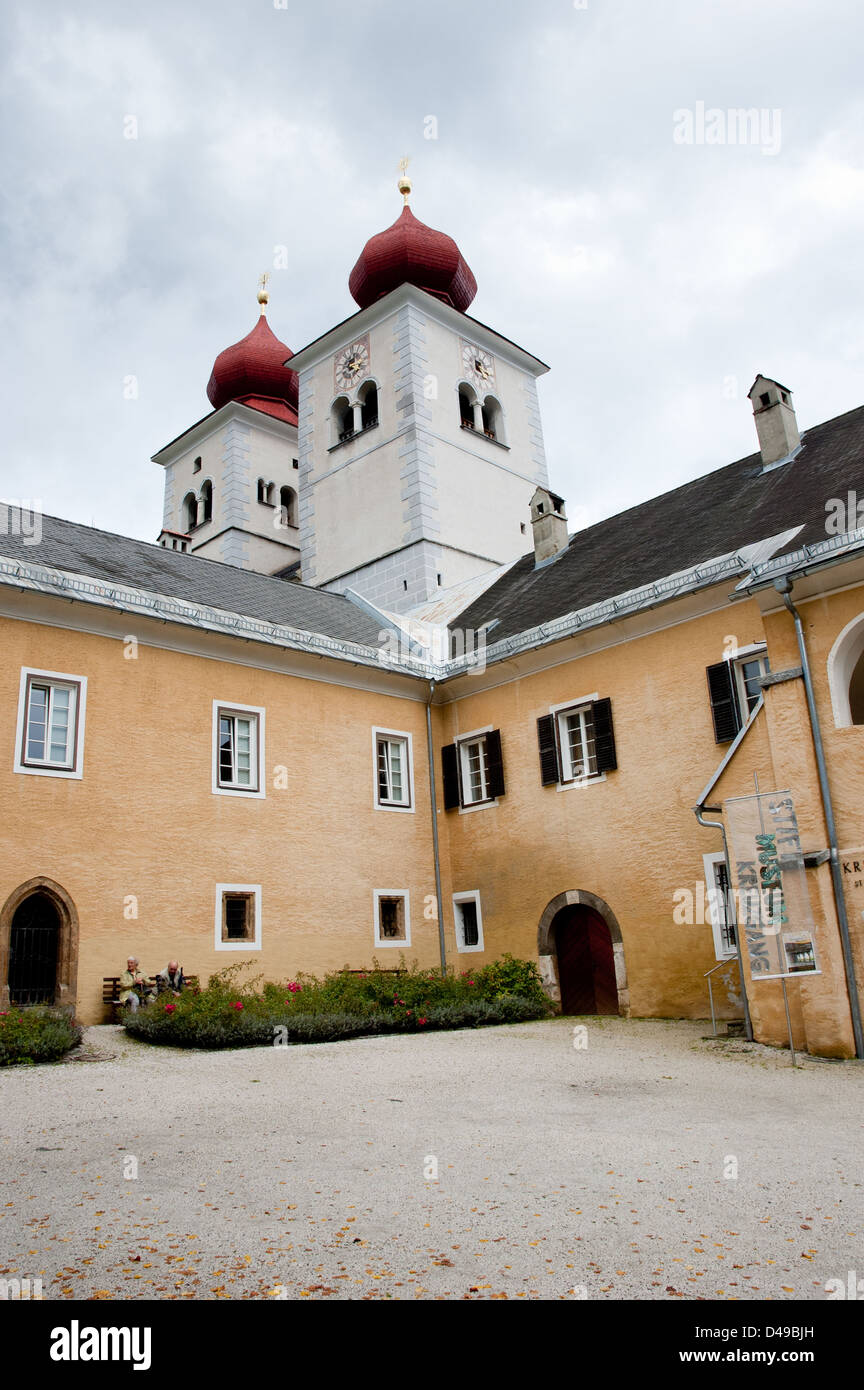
(377, 894)
(472, 896)
(466, 809)
(231, 708)
(76, 773)
(842, 660)
(392, 733)
(255, 944)
(573, 782)
(708, 862)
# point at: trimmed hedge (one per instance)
(36, 1034)
(305, 1010)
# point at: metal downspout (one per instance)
(433, 793)
(784, 587)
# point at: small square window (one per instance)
(392, 918)
(238, 917)
(238, 735)
(468, 920)
(50, 734)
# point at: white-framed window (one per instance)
(749, 667)
(238, 917)
(468, 920)
(576, 741)
(392, 916)
(394, 770)
(718, 903)
(238, 750)
(49, 738)
(474, 769)
(574, 730)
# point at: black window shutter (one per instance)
(604, 736)
(450, 772)
(494, 764)
(724, 701)
(548, 746)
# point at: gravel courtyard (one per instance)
(309, 1172)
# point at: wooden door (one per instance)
(586, 962)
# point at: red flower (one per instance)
(237, 1005)
(169, 1008)
(422, 1020)
(470, 982)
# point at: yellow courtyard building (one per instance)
(367, 697)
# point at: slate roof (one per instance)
(102, 555)
(732, 507)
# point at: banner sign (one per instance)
(774, 913)
(852, 873)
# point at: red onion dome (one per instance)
(411, 253)
(253, 371)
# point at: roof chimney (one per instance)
(549, 523)
(776, 425)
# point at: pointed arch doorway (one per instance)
(38, 945)
(582, 955)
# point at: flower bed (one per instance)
(36, 1034)
(229, 1013)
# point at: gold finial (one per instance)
(404, 184)
(263, 292)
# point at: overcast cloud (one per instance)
(655, 278)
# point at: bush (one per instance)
(229, 1013)
(36, 1034)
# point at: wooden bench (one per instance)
(111, 990)
(346, 971)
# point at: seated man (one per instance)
(134, 990)
(171, 978)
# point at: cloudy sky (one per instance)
(655, 276)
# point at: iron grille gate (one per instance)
(33, 952)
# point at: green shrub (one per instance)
(231, 1013)
(512, 977)
(36, 1034)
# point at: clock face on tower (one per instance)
(478, 366)
(351, 364)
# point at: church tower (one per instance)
(231, 481)
(420, 442)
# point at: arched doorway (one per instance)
(586, 962)
(581, 955)
(34, 947)
(38, 945)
